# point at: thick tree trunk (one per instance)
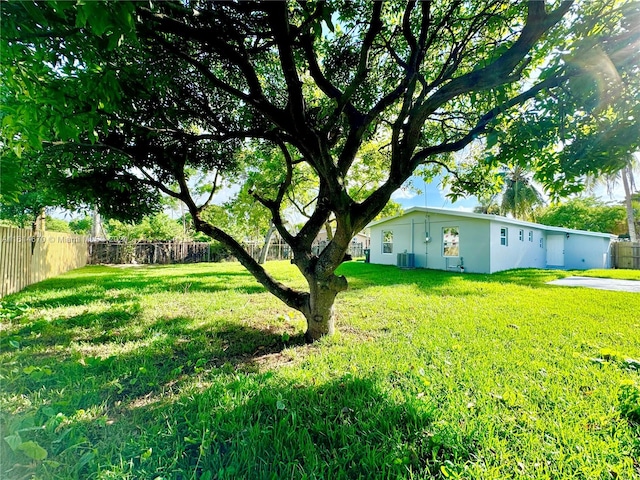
(321, 317)
(317, 305)
(320, 312)
(39, 224)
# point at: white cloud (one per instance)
(403, 194)
(461, 208)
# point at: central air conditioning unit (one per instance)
(406, 260)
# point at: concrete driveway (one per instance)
(599, 283)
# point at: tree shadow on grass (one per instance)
(347, 428)
(198, 399)
(108, 368)
(70, 385)
(85, 327)
(255, 425)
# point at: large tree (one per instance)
(125, 101)
(585, 213)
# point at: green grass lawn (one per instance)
(619, 274)
(195, 372)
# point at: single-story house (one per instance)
(455, 240)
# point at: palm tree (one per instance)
(519, 195)
(625, 176)
(487, 205)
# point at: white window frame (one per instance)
(450, 246)
(541, 242)
(387, 245)
(504, 236)
(531, 235)
(521, 235)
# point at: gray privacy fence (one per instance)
(122, 252)
(356, 249)
(277, 250)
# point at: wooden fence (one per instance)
(114, 252)
(626, 255)
(277, 250)
(27, 259)
(282, 251)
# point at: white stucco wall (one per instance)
(517, 253)
(403, 240)
(473, 246)
(583, 252)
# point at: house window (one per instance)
(387, 241)
(521, 235)
(504, 236)
(530, 236)
(451, 241)
(541, 242)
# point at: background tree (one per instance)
(590, 124)
(629, 185)
(81, 226)
(57, 225)
(487, 205)
(157, 227)
(130, 100)
(24, 194)
(585, 213)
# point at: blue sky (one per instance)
(433, 196)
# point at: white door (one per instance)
(555, 250)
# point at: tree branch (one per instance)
(279, 20)
(362, 70)
(293, 298)
(274, 205)
(496, 73)
(214, 188)
(484, 121)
